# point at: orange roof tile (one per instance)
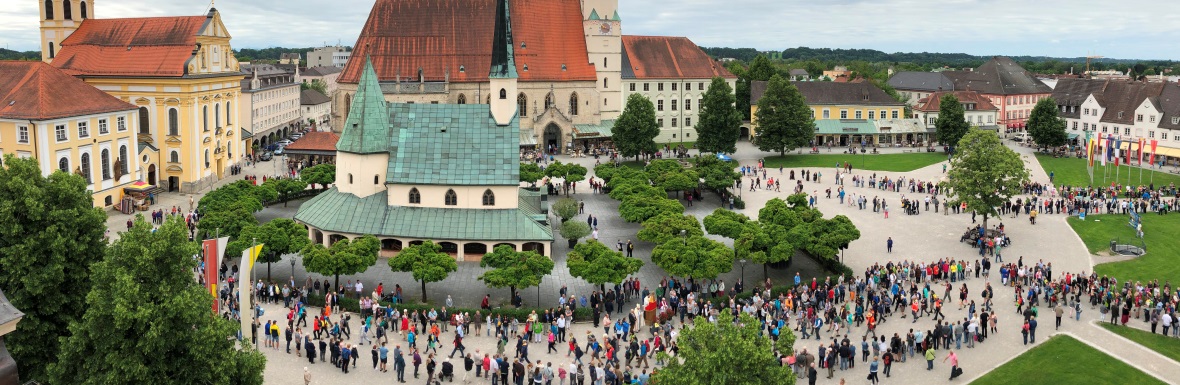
(443, 36)
(669, 57)
(149, 46)
(36, 91)
(934, 101)
(315, 141)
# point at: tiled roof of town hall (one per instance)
(452, 144)
(999, 76)
(34, 90)
(934, 101)
(668, 57)
(148, 46)
(832, 93)
(452, 40)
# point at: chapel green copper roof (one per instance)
(335, 211)
(503, 60)
(594, 14)
(600, 130)
(616, 16)
(452, 144)
(367, 129)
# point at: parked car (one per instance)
(266, 156)
(279, 151)
(296, 136)
(1020, 138)
(283, 143)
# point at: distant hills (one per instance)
(7, 54)
(925, 59)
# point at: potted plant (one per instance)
(574, 230)
(565, 208)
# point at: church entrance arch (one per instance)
(552, 138)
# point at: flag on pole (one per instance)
(1153, 144)
(1128, 160)
(1106, 150)
(1139, 153)
(1117, 156)
(252, 254)
(1090, 151)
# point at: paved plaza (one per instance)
(926, 237)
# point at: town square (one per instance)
(521, 192)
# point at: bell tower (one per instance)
(502, 74)
(604, 49)
(60, 18)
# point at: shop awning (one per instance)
(1166, 151)
(527, 138)
(592, 131)
(844, 127)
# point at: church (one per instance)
(445, 172)
(180, 75)
(575, 67)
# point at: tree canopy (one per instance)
(148, 321)
(666, 226)
(718, 174)
(50, 235)
(277, 237)
(708, 350)
(426, 261)
(635, 130)
(565, 208)
(784, 121)
(1045, 127)
(530, 173)
(695, 257)
(984, 173)
(597, 264)
(568, 172)
(322, 175)
(671, 175)
(228, 209)
(719, 122)
(285, 187)
(951, 124)
(638, 208)
(514, 269)
(345, 257)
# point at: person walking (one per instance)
(399, 364)
(873, 372)
(306, 376)
(889, 245)
(954, 358)
(930, 357)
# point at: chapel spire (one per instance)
(367, 129)
(503, 60)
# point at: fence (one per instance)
(1132, 246)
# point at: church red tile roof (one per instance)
(36, 91)
(315, 141)
(149, 46)
(934, 101)
(668, 57)
(443, 37)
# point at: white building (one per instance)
(271, 103)
(315, 109)
(1126, 110)
(328, 56)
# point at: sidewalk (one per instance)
(1130, 352)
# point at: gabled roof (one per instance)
(318, 71)
(452, 144)
(1073, 92)
(668, 57)
(1170, 102)
(453, 39)
(832, 93)
(921, 81)
(999, 76)
(367, 129)
(324, 141)
(1122, 98)
(313, 97)
(148, 46)
(34, 90)
(933, 102)
(799, 72)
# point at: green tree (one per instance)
(670, 175)
(761, 69)
(227, 210)
(149, 320)
(566, 208)
(1045, 127)
(951, 125)
(50, 236)
(635, 130)
(285, 187)
(719, 175)
(574, 230)
(707, 351)
(322, 174)
(695, 257)
(315, 84)
(784, 120)
(667, 226)
(719, 124)
(426, 261)
(277, 237)
(569, 173)
(530, 173)
(638, 208)
(984, 173)
(514, 269)
(597, 264)
(345, 257)
(225, 223)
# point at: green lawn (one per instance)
(1072, 172)
(879, 162)
(1169, 347)
(1063, 360)
(1158, 234)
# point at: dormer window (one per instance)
(1176, 120)
(451, 198)
(415, 196)
(489, 198)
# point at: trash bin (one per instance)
(1113, 243)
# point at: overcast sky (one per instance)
(1065, 28)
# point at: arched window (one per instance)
(603, 82)
(144, 121)
(174, 157)
(503, 94)
(415, 196)
(51, 50)
(173, 122)
(549, 100)
(123, 160)
(63, 164)
(216, 115)
(205, 117)
(489, 199)
(604, 65)
(347, 104)
(85, 167)
(49, 12)
(375, 181)
(452, 199)
(349, 178)
(84, 14)
(66, 12)
(573, 104)
(229, 115)
(462, 99)
(105, 162)
(206, 158)
(522, 104)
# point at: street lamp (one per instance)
(743, 261)
(684, 234)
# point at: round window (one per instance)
(145, 158)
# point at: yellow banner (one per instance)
(254, 251)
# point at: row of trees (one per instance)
(718, 126)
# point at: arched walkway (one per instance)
(317, 236)
(512, 245)
(474, 251)
(332, 239)
(391, 245)
(534, 246)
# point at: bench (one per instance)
(907, 151)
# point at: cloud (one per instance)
(981, 27)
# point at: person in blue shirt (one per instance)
(873, 371)
(383, 355)
(344, 355)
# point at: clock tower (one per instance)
(60, 18)
(604, 48)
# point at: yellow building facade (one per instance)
(179, 73)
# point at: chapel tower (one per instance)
(502, 74)
(60, 18)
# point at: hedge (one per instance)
(351, 304)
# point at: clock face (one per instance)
(605, 29)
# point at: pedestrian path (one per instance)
(1128, 351)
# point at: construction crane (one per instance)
(1088, 58)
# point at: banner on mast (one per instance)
(1153, 144)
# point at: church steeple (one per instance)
(503, 61)
(366, 130)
